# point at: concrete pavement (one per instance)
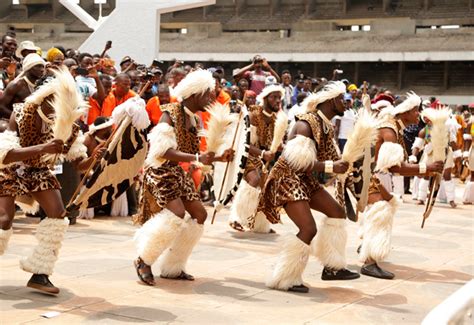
(99, 285)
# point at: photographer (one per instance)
(256, 73)
(235, 103)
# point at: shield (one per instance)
(227, 176)
(116, 171)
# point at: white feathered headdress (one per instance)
(268, 90)
(196, 82)
(412, 101)
(328, 92)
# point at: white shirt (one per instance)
(347, 123)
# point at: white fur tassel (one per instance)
(439, 131)
(8, 141)
(363, 136)
(135, 108)
(390, 154)
(220, 119)
(78, 149)
(300, 152)
(67, 102)
(281, 124)
(161, 139)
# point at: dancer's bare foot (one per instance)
(420, 202)
(144, 272)
(452, 204)
(236, 226)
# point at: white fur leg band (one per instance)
(50, 235)
(291, 263)
(377, 229)
(457, 154)
(329, 245)
(8, 141)
(4, 239)
(467, 136)
(157, 234)
(329, 166)
(245, 204)
(422, 168)
(174, 260)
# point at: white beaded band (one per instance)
(465, 154)
(261, 154)
(329, 166)
(457, 154)
(467, 136)
(422, 168)
(197, 157)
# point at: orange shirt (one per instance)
(110, 102)
(153, 110)
(223, 99)
(94, 111)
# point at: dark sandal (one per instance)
(272, 231)
(144, 272)
(236, 226)
(182, 276)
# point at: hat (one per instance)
(29, 62)
(347, 96)
(383, 97)
(268, 90)
(351, 87)
(156, 70)
(125, 59)
(211, 69)
(195, 82)
(270, 80)
(219, 68)
(381, 104)
(100, 123)
(330, 91)
(53, 53)
(25, 45)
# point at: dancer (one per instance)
(390, 156)
(24, 151)
(169, 192)
(263, 120)
(468, 156)
(291, 184)
(423, 143)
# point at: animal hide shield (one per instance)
(357, 183)
(116, 170)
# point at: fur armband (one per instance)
(390, 155)
(412, 159)
(467, 136)
(161, 138)
(300, 152)
(78, 150)
(8, 141)
(418, 144)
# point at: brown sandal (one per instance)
(182, 276)
(236, 226)
(144, 272)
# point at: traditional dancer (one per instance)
(291, 184)
(26, 150)
(168, 192)
(390, 155)
(468, 156)
(423, 143)
(263, 120)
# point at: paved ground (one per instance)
(99, 284)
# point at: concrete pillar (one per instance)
(4, 8)
(344, 6)
(385, 4)
(274, 4)
(308, 7)
(401, 74)
(239, 7)
(356, 72)
(316, 69)
(447, 65)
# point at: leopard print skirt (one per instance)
(253, 163)
(284, 185)
(18, 180)
(162, 185)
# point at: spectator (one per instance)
(25, 48)
(256, 75)
(243, 85)
(345, 123)
(120, 94)
(297, 89)
(95, 108)
(286, 84)
(250, 98)
(297, 109)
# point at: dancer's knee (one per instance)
(6, 219)
(200, 215)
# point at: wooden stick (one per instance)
(364, 88)
(226, 168)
